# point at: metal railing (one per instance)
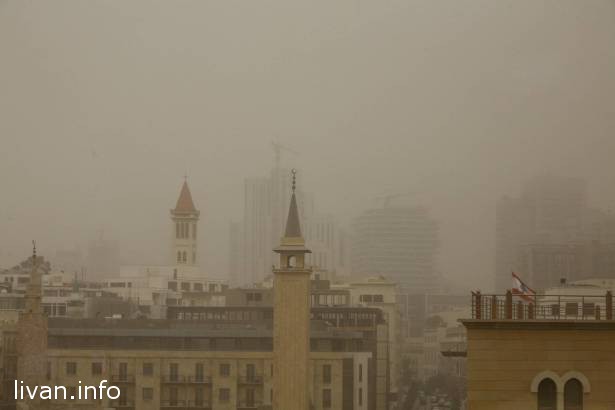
(177, 378)
(184, 404)
(122, 378)
(122, 404)
(542, 307)
(250, 380)
(244, 405)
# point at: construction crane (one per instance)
(387, 198)
(278, 148)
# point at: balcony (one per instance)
(122, 378)
(181, 379)
(247, 405)
(122, 404)
(251, 380)
(173, 404)
(184, 404)
(198, 405)
(543, 307)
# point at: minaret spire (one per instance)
(293, 226)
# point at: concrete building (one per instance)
(549, 232)
(545, 265)
(264, 215)
(103, 259)
(400, 243)
(322, 238)
(523, 356)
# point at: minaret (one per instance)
(32, 337)
(185, 218)
(291, 317)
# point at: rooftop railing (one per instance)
(512, 306)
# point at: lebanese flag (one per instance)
(521, 289)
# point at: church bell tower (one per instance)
(185, 219)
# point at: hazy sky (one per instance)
(104, 105)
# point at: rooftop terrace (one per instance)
(545, 307)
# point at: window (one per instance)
(173, 396)
(96, 368)
(193, 231)
(179, 256)
(148, 393)
(148, 369)
(573, 395)
(224, 395)
(184, 259)
(177, 230)
(250, 372)
(326, 399)
(547, 395)
(360, 373)
(365, 298)
(71, 368)
(173, 372)
(326, 373)
(198, 287)
(198, 396)
(292, 261)
(360, 396)
(199, 372)
(250, 397)
(186, 286)
(378, 299)
(225, 369)
(172, 286)
(123, 371)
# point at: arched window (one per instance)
(292, 261)
(184, 257)
(179, 256)
(547, 395)
(573, 395)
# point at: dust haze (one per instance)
(104, 106)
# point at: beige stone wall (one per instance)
(186, 360)
(504, 358)
(291, 339)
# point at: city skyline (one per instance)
(461, 140)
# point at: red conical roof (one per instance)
(184, 202)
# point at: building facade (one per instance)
(400, 243)
(540, 356)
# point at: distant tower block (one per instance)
(291, 327)
(185, 219)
